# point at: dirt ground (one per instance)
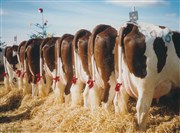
(20, 113)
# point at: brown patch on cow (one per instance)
(176, 41)
(21, 51)
(80, 45)
(161, 53)
(41, 56)
(28, 73)
(134, 46)
(64, 51)
(91, 42)
(66, 55)
(59, 43)
(42, 45)
(49, 53)
(20, 45)
(83, 52)
(102, 45)
(32, 56)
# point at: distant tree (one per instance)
(42, 32)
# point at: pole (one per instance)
(43, 25)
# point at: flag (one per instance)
(40, 10)
(15, 38)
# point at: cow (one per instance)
(101, 81)
(10, 65)
(47, 65)
(32, 63)
(80, 66)
(21, 71)
(147, 60)
(64, 70)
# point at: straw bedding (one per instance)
(44, 115)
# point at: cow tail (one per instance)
(78, 35)
(120, 47)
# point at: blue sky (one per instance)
(69, 16)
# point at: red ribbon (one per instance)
(91, 83)
(38, 78)
(18, 73)
(56, 78)
(118, 85)
(74, 80)
(4, 74)
(23, 74)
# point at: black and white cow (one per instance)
(147, 65)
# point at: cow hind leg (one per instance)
(85, 96)
(41, 88)
(143, 105)
(94, 97)
(107, 101)
(110, 92)
(20, 83)
(121, 101)
(49, 82)
(76, 93)
(6, 84)
(34, 90)
(26, 86)
(59, 92)
(44, 88)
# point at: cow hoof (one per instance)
(141, 127)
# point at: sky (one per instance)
(69, 16)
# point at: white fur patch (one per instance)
(112, 83)
(14, 53)
(80, 70)
(47, 70)
(30, 70)
(96, 75)
(41, 69)
(61, 72)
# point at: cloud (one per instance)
(171, 15)
(2, 12)
(137, 3)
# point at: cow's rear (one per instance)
(101, 65)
